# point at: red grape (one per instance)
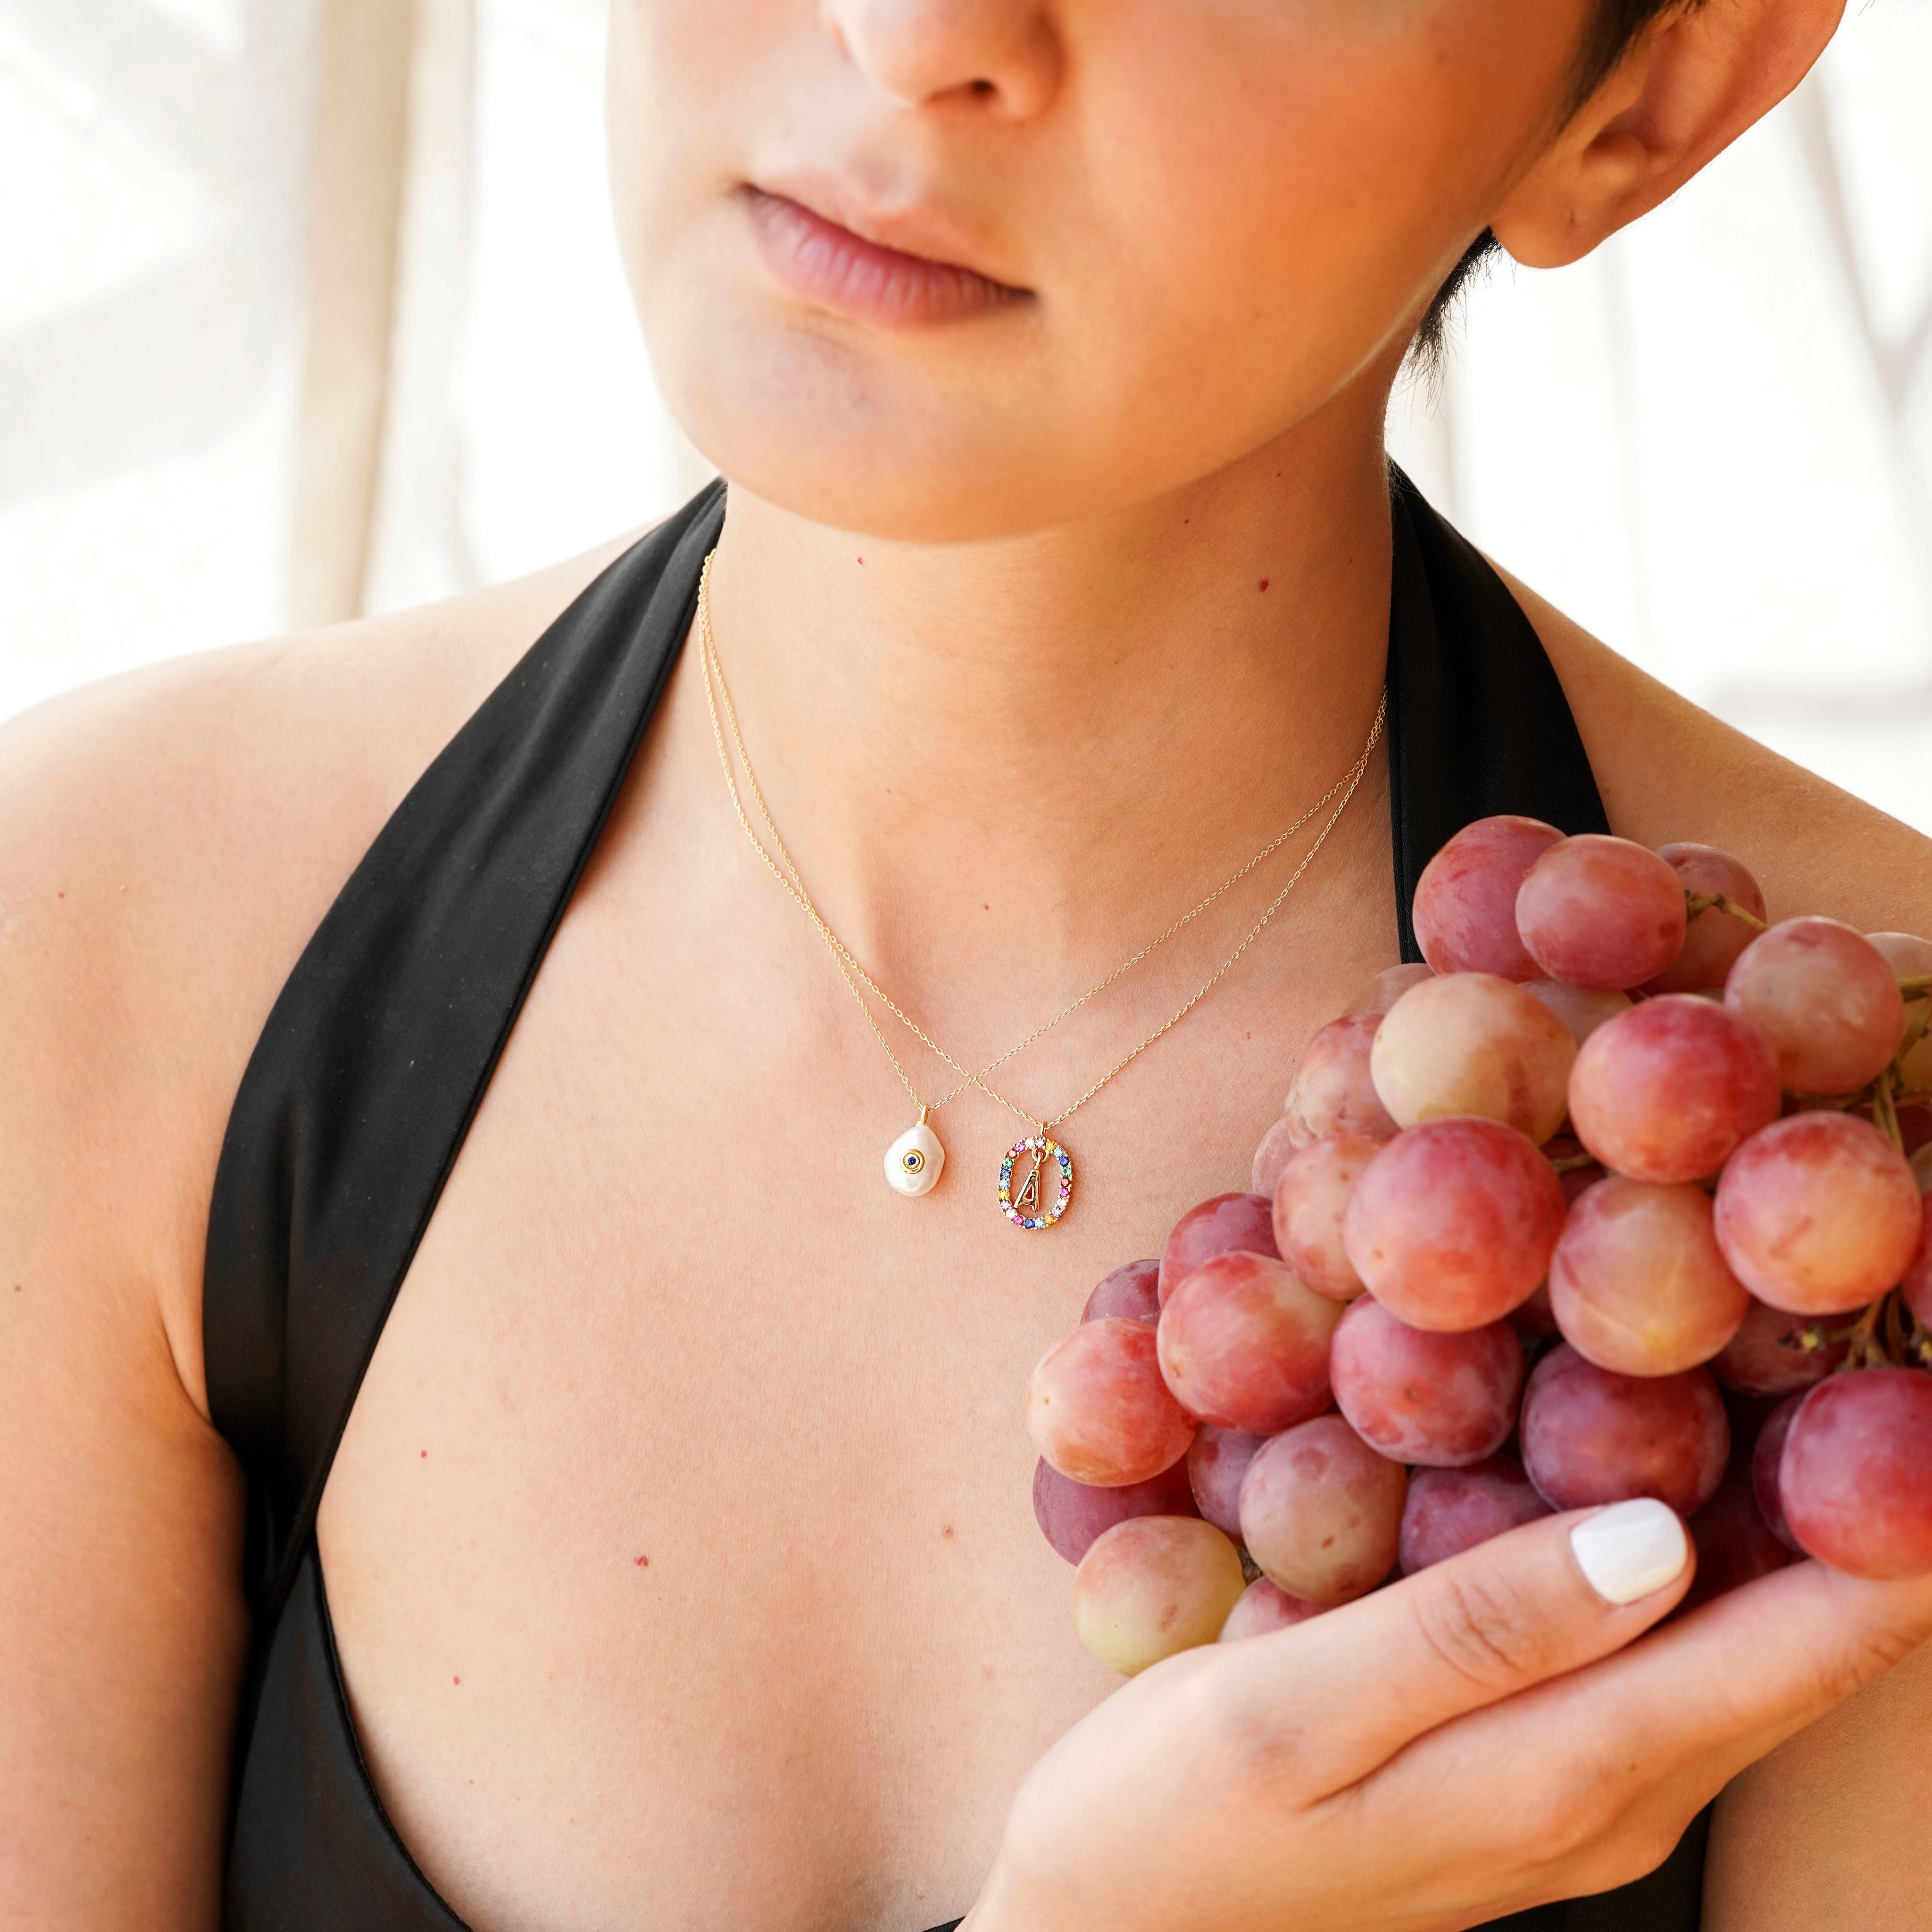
(1667, 1093)
(1590, 1436)
(1229, 1222)
(1278, 1147)
(1154, 1586)
(1909, 957)
(1767, 1460)
(1443, 1400)
(1855, 1477)
(1071, 1515)
(1767, 1356)
(1387, 988)
(1817, 1213)
(1332, 1092)
(1824, 998)
(1265, 1607)
(1714, 939)
(1582, 1009)
(1244, 1345)
(1131, 1292)
(1321, 1513)
(1217, 1460)
(1470, 1043)
(1453, 1224)
(1601, 913)
(1310, 1203)
(1450, 1511)
(1638, 1283)
(1917, 1282)
(1906, 953)
(1464, 911)
(1098, 1410)
(1735, 1546)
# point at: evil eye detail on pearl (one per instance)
(914, 1161)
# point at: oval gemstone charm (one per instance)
(1036, 1182)
(914, 1161)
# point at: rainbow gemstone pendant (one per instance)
(1033, 1168)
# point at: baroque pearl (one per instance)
(914, 1161)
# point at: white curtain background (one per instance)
(311, 308)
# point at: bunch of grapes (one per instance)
(1618, 1195)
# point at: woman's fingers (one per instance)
(1626, 1752)
(1510, 1614)
(1748, 1670)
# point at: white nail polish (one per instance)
(1629, 1549)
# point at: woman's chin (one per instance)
(843, 433)
(983, 429)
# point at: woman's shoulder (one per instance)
(169, 840)
(1669, 770)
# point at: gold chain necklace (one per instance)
(914, 1161)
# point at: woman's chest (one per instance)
(679, 1549)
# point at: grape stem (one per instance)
(1887, 1335)
(1573, 1163)
(1867, 1350)
(1696, 902)
(1915, 1031)
(1915, 985)
(1885, 1110)
(1901, 1328)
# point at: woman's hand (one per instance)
(1473, 1740)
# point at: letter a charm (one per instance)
(1042, 1161)
(1028, 1199)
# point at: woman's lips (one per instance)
(838, 270)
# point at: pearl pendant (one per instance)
(914, 1162)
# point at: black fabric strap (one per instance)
(1478, 723)
(376, 1056)
(313, 1850)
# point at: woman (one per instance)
(678, 1569)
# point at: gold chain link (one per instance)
(848, 963)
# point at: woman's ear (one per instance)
(1697, 78)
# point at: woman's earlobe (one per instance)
(1685, 92)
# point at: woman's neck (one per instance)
(1018, 758)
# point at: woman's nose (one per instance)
(1008, 53)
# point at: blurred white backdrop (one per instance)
(309, 307)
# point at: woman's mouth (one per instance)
(835, 269)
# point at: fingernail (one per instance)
(1629, 1549)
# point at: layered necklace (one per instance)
(1036, 1173)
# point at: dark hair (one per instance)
(1614, 25)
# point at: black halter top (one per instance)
(376, 1056)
